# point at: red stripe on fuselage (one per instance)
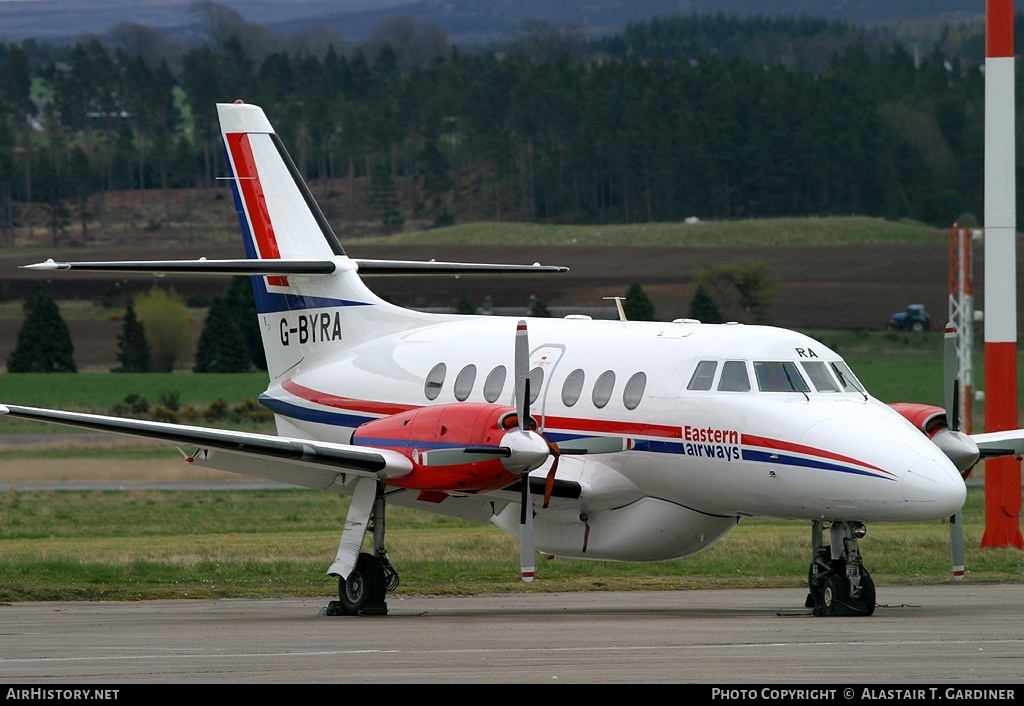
(255, 201)
(765, 442)
(561, 423)
(329, 400)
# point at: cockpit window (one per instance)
(734, 377)
(817, 371)
(703, 376)
(779, 377)
(847, 380)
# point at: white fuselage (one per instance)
(702, 458)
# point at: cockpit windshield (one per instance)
(847, 379)
(779, 377)
(831, 377)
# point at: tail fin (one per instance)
(309, 297)
(300, 315)
(277, 212)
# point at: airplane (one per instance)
(602, 439)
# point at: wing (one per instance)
(300, 462)
(1000, 443)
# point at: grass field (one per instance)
(141, 544)
(133, 545)
(753, 232)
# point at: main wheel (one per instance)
(363, 587)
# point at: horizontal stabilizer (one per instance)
(413, 267)
(201, 266)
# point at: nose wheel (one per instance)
(837, 582)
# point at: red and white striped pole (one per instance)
(1002, 476)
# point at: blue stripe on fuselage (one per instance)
(273, 302)
(294, 411)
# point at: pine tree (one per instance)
(133, 349)
(465, 305)
(703, 307)
(44, 341)
(539, 309)
(222, 347)
(638, 306)
(384, 199)
(242, 305)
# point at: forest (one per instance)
(706, 117)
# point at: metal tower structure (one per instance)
(961, 316)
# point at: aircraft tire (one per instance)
(364, 587)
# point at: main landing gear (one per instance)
(838, 583)
(363, 591)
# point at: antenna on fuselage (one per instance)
(618, 305)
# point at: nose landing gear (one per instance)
(837, 582)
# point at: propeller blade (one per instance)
(549, 482)
(956, 544)
(968, 454)
(950, 373)
(522, 375)
(526, 546)
(462, 454)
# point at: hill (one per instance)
(465, 21)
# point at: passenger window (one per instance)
(603, 388)
(703, 376)
(634, 390)
(734, 377)
(536, 380)
(435, 378)
(464, 382)
(494, 384)
(817, 371)
(779, 377)
(572, 387)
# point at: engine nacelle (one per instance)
(928, 418)
(958, 448)
(451, 426)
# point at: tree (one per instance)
(740, 290)
(168, 326)
(703, 307)
(539, 309)
(133, 349)
(241, 304)
(44, 341)
(638, 306)
(222, 347)
(384, 199)
(465, 305)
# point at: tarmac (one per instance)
(933, 642)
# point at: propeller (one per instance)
(527, 550)
(960, 448)
(524, 449)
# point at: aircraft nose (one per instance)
(934, 488)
